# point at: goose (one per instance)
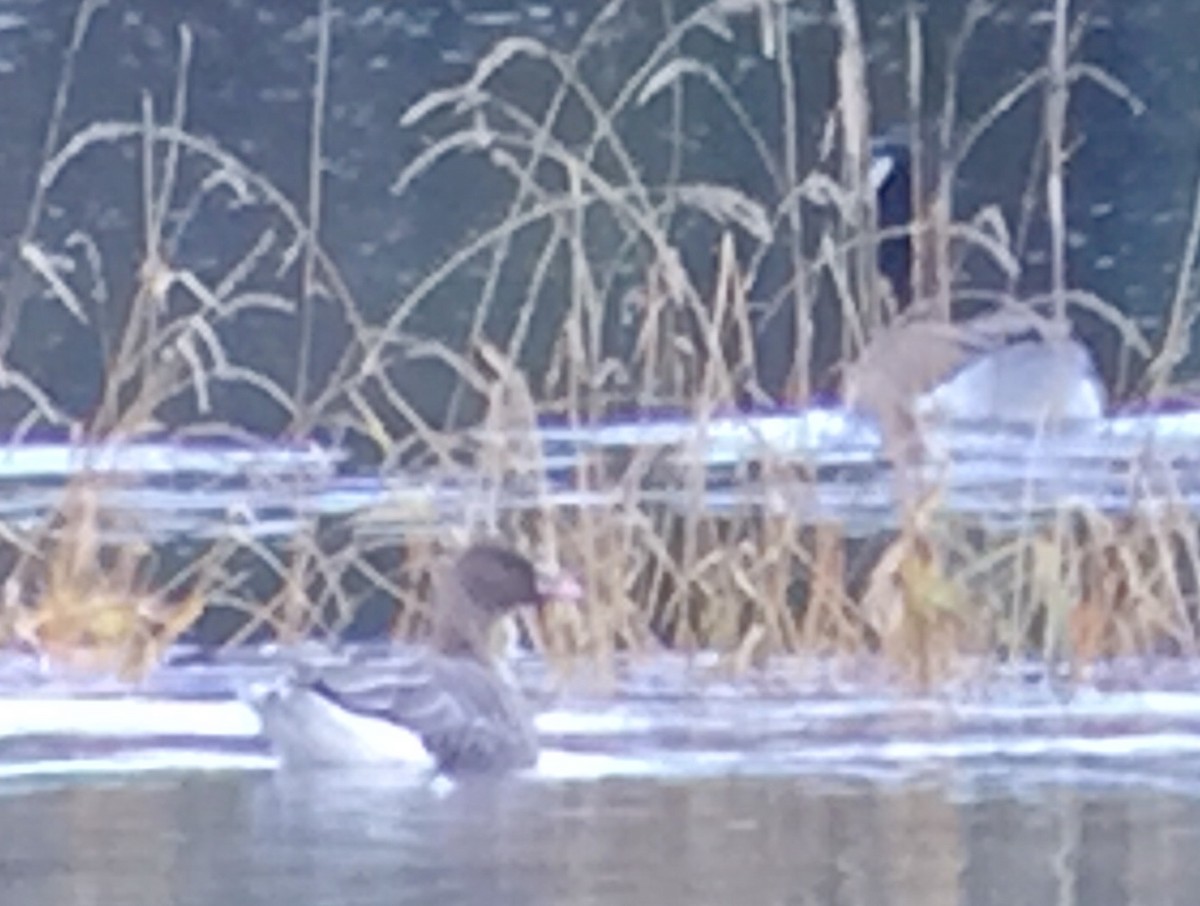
(443, 706)
(1010, 366)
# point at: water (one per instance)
(358, 839)
(801, 784)
(1000, 475)
(697, 790)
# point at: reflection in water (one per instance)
(355, 838)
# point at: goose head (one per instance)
(486, 583)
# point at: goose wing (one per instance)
(466, 716)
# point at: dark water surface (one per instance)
(349, 839)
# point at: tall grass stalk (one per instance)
(618, 312)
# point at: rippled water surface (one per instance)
(343, 838)
(678, 784)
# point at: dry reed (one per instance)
(641, 325)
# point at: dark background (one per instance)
(1131, 177)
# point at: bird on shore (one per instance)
(444, 706)
(1010, 366)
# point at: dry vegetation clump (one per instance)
(88, 604)
(619, 313)
(86, 584)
